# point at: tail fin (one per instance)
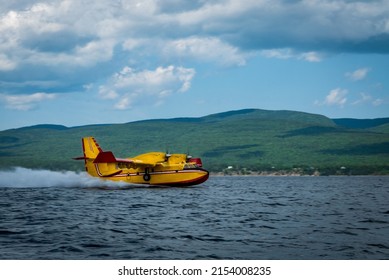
(91, 150)
(90, 147)
(97, 162)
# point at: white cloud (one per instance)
(158, 79)
(6, 64)
(86, 55)
(358, 74)
(55, 33)
(222, 31)
(289, 53)
(363, 98)
(301, 25)
(278, 53)
(129, 85)
(25, 102)
(205, 49)
(368, 99)
(49, 39)
(311, 56)
(107, 93)
(132, 43)
(125, 102)
(336, 97)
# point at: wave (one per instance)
(20, 177)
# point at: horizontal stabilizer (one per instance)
(105, 157)
(108, 157)
(80, 158)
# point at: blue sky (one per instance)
(77, 62)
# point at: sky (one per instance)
(79, 62)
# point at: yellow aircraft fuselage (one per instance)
(155, 168)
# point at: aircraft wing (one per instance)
(108, 157)
(142, 163)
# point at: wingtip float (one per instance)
(155, 168)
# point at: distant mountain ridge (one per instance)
(251, 140)
(256, 113)
(361, 123)
(272, 114)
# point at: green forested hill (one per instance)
(248, 140)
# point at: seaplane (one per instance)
(154, 168)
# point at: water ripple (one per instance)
(225, 218)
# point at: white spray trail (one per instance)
(33, 178)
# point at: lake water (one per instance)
(224, 218)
